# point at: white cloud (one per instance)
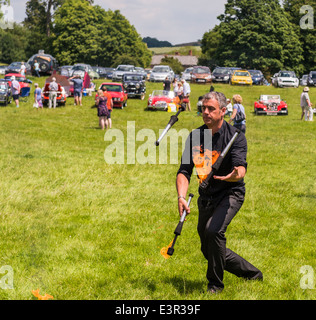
(175, 21)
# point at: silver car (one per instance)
(160, 73)
(186, 74)
(121, 70)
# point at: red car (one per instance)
(116, 90)
(270, 105)
(20, 78)
(160, 99)
(61, 95)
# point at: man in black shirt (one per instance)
(219, 203)
(167, 84)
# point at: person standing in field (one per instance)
(53, 89)
(78, 88)
(239, 114)
(306, 105)
(15, 90)
(103, 112)
(109, 106)
(38, 96)
(219, 203)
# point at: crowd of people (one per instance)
(181, 88)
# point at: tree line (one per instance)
(74, 31)
(262, 35)
(251, 34)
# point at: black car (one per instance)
(47, 63)
(221, 74)
(134, 85)
(15, 67)
(311, 80)
(5, 92)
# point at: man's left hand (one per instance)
(236, 175)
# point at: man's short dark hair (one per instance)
(218, 96)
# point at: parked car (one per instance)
(221, 74)
(116, 90)
(160, 99)
(118, 73)
(285, 79)
(15, 67)
(271, 105)
(5, 92)
(160, 73)
(61, 95)
(81, 69)
(311, 78)
(47, 63)
(65, 71)
(3, 69)
(242, 77)
(257, 77)
(201, 74)
(103, 72)
(187, 74)
(134, 85)
(141, 71)
(303, 80)
(20, 78)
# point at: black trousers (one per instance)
(214, 217)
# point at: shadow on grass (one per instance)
(185, 286)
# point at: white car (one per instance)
(286, 79)
(118, 73)
(160, 73)
(186, 74)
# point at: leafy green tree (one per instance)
(175, 65)
(256, 35)
(13, 44)
(307, 35)
(86, 33)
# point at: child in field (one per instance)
(38, 96)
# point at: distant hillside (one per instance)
(181, 50)
(189, 44)
(155, 43)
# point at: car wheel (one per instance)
(44, 67)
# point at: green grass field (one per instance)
(78, 228)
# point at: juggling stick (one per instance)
(167, 252)
(172, 121)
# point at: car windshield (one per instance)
(162, 93)
(161, 69)
(124, 68)
(255, 73)
(201, 70)
(270, 98)
(112, 87)
(221, 70)
(3, 86)
(15, 64)
(241, 74)
(188, 70)
(133, 78)
(314, 75)
(79, 68)
(287, 74)
(20, 79)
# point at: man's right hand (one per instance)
(183, 205)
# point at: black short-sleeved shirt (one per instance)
(201, 151)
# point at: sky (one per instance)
(175, 21)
